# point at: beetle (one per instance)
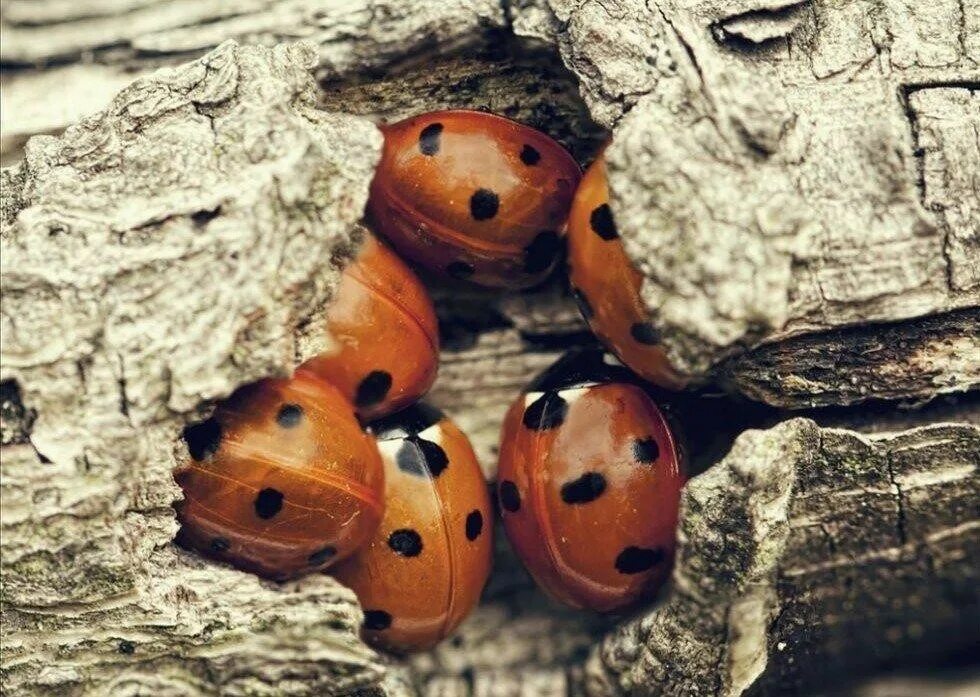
(386, 338)
(424, 569)
(589, 484)
(474, 196)
(281, 479)
(606, 285)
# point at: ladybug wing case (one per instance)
(589, 485)
(424, 570)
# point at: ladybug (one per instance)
(474, 196)
(589, 484)
(606, 285)
(281, 479)
(424, 569)
(387, 337)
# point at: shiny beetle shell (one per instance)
(607, 286)
(281, 479)
(589, 485)
(424, 569)
(386, 351)
(474, 196)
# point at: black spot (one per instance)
(510, 498)
(484, 204)
(289, 415)
(585, 489)
(646, 450)
(429, 139)
(373, 388)
(127, 647)
(584, 306)
(203, 439)
(602, 222)
(644, 333)
(474, 525)
(410, 421)
(219, 544)
(268, 503)
(546, 412)
(581, 367)
(460, 270)
(635, 560)
(405, 542)
(322, 555)
(376, 620)
(541, 253)
(530, 156)
(421, 457)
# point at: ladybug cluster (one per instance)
(341, 469)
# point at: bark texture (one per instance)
(796, 181)
(155, 257)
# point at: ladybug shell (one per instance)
(424, 569)
(607, 286)
(474, 196)
(281, 481)
(387, 336)
(589, 485)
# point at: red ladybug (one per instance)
(607, 286)
(424, 569)
(589, 484)
(474, 196)
(387, 338)
(281, 480)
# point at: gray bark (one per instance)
(820, 162)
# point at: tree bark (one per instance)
(796, 182)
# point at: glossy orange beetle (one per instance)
(606, 285)
(423, 571)
(386, 333)
(474, 196)
(281, 479)
(589, 484)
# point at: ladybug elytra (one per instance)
(474, 196)
(589, 484)
(606, 285)
(281, 479)
(435, 537)
(386, 334)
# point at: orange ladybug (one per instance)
(387, 336)
(589, 484)
(424, 569)
(281, 479)
(606, 285)
(474, 196)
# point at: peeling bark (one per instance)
(155, 257)
(796, 181)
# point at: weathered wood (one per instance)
(155, 257)
(829, 146)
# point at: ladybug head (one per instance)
(581, 367)
(405, 423)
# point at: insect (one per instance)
(281, 479)
(386, 352)
(606, 285)
(474, 196)
(424, 569)
(589, 484)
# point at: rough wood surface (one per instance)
(155, 257)
(810, 553)
(757, 202)
(780, 169)
(109, 351)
